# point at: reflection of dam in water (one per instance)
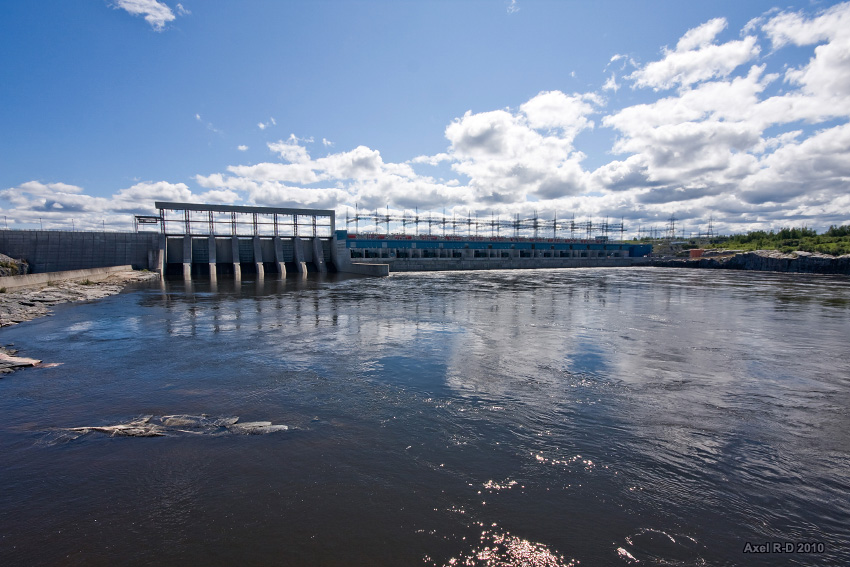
(211, 240)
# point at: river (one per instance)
(541, 417)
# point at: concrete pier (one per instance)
(298, 253)
(211, 258)
(187, 257)
(237, 266)
(319, 256)
(278, 257)
(163, 258)
(258, 258)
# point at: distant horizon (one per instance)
(735, 112)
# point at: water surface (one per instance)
(556, 417)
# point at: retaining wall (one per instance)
(32, 280)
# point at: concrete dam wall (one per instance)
(58, 250)
(209, 256)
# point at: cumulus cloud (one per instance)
(512, 156)
(717, 145)
(554, 109)
(156, 13)
(290, 150)
(611, 84)
(696, 58)
(825, 80)
(798, 29)
(56, 205)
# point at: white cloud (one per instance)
(509, 161)
(290, 150)
(431, 160)
(156, 13)
(327, 143)
(209, 125)
(182, 11)
(819, 164)
(611, 84)
(55, 205)
(554, 109)
(512, 7)
(242, 148)
(825, 80)
(697, 59)
(701, 36)
(263, 125)
(796, 28)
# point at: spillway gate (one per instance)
(203, 239)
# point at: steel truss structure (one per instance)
(496, 226)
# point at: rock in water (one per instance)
(257, 427)
(9, 362)
(185, 421)
(150, 426)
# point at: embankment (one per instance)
(765, 261)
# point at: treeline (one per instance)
(835, 241)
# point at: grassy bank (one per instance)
(835, 241)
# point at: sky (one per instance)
(623, 109)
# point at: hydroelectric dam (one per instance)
(191, 240)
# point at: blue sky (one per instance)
(731, 110)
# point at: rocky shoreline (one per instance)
(26, 304)
(763, 260)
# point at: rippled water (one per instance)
(562, 417)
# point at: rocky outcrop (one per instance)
(767, 261)
(12, 267)
(9, 362)
(169, 425)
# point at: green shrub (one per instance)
(835, 241)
